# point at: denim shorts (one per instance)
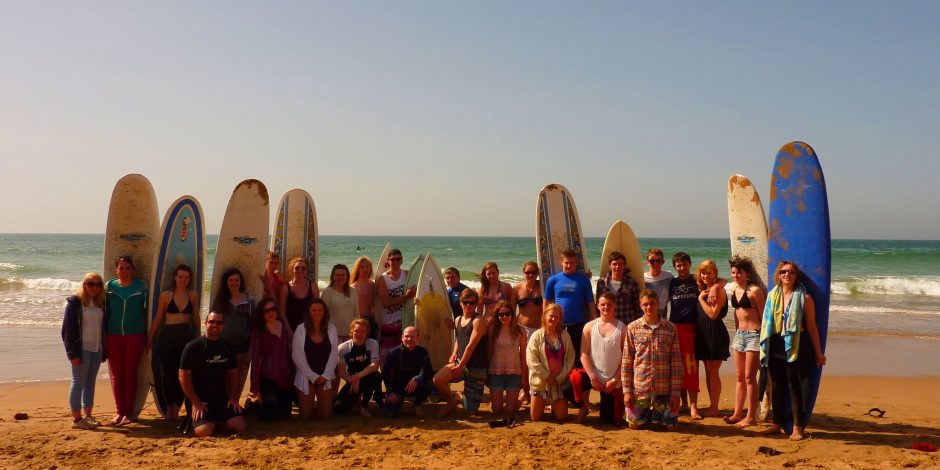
(504, 382)
(746, 341)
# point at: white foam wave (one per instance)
(870, 310)
(929, 285)
(46, 283)
(10, 267)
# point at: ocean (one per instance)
(880, 287)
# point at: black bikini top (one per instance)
(744, 302)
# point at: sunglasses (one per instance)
(530, 273)
(655, 261)
(786, 272)
(468, 302)
(94, 284)
(504, 314)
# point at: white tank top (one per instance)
(606, 353)
(396, 288)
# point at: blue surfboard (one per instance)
(182, 241)
(799, 232)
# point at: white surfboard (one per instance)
(748, 226)
(557, 228)
(295, 232)
(182, 241)
(621, 238)
(133, 224)
(243, 239)
(432, 310)
(377, 270)
(411, 280)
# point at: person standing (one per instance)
(656, 279)
(341, 300)
(83, 326)
(454, 288)
(651, 371)
(390, 289)
(747, 300)
(622, 286)
(711, 340)
(572, 291)
(361, 280)
(209, 377)
(602, 355)
(683, 312)
(127, 299)
(233, 301)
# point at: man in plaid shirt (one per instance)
(652, 368)
(622, 286)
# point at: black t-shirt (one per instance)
(683, 298)
(209, 362)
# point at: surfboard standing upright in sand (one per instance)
(377, 270)
(557, 228)
(411, 280)
(620, 238)
(799, 232)
(295, 232)
(748, 226)
(182, 241)
(243, 239)
(431, 312)
(133, 224)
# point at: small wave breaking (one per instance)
(888, 286)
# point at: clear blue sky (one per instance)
(446, 118)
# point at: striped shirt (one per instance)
(271, 358)
(652, 363)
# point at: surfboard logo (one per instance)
(245, 240)
(747, 239)
(184, 229)
(132, 237)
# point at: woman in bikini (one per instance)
(528, 309)
(493, 290)
(361, 279)
(747, 300)
(176, 323)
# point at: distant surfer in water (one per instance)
(789, 345)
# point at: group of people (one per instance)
(637, 346)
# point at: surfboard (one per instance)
(182, 241)
(132, 227)
(377, 269)
(411, 280)
(243, 239)
(295, 231)
(557, 228)
(620, 238)
(748, 226)
(133, 222)
(800, 232)
(432, 310)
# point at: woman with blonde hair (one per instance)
(361, 279)
(83, 328)
(711, 340)
(342, 300)
(297, 294)
(550, 357)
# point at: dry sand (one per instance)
(842, 435)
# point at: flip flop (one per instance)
(876, 413)
(769, 451)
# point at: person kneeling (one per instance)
(359, 368)
(651, 371)
(209, 378)
(407, 372)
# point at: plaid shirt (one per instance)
(652, 363)
(271, 357)
(628, 300)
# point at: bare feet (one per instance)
(451, 403)
(773, 429)
(745, 423)
(710, 412)
(117, 421)
(733, 419)
(693, 412)
(583, 412)
(797, 434)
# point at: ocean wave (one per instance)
(44, 283)
(888, 286)
(10, 267)
(879, 310)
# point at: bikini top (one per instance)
(173, 308)
(537, 300)
(744, 302)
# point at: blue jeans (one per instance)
(84, 375)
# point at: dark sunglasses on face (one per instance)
(531, 273)
(655, 261)
(467, 302)
(504, 314)
(785, 272)
(93, 284)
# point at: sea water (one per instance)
(880, 287)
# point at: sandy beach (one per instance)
(842, 435)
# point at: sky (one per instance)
(447, 118)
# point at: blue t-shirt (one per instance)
(573, 293)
